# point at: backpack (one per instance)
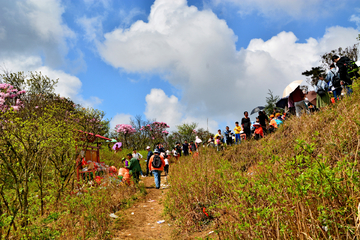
(156, 163)
(336, 80)
(321, 91)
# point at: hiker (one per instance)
(258, 133)
(156, 165)
(175, 153)
(245, 123)
(333, 78)
(138, 156)
(160, 147)
(228, 136)
(345, 65)
(166, 167)
(237, 130)
(178, 149)
(211, 141)
(150, 153)
(322, 95)
(198, 142)
(278, 119)
(134, 167)
(219, 135)
(186, 148)
(218, 143)
(264, 121)
(297, 98)
(193, 147)
(273, 124)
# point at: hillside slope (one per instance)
(301, 182)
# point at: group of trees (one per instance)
(141, 133)
(38, 135)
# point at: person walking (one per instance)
(178, 149)
(322, 95)
(134, 167)
(150, 153)
(156, 166)
(246, 123)
(297, 98)
(333, 78)
(344, 64)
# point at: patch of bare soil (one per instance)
(144, 220)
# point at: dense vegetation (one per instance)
(301, 182)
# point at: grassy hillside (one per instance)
(301, 182)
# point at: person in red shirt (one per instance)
(297, 97)
(258, 133)
(157, 171)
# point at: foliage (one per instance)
(314, 74)
(187, 131)
(271, 102)
(10, 97)
(156, 132)
(301, 182)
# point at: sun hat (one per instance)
(272, 115)
(256, 124)
(148, 147)
(156, 151)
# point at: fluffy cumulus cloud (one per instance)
(33, 37)
(195, 51)
(279, 8)
(170, 111)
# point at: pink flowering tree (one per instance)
(10, 97)
(156, 131)
(125, 130)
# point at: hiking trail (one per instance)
(140, 221)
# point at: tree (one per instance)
(187, 131)
(314, 74)
(125, 130)
(271, 102)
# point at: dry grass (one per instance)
(301, 182)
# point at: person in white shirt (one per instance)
(166, 167)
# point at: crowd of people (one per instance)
(337, 80)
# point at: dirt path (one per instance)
(140, 221)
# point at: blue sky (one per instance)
(177, 61)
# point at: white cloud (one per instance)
(92, 27)
(34, 27)
(356, 19)
(68, 85)
(195, 51)
(163, 108)
(120, 118)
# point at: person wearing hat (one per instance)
(278, 119)
(150, 153)
(273, 125)
(134, 167)
(258, 133)
(138, 156)
(156, 171)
